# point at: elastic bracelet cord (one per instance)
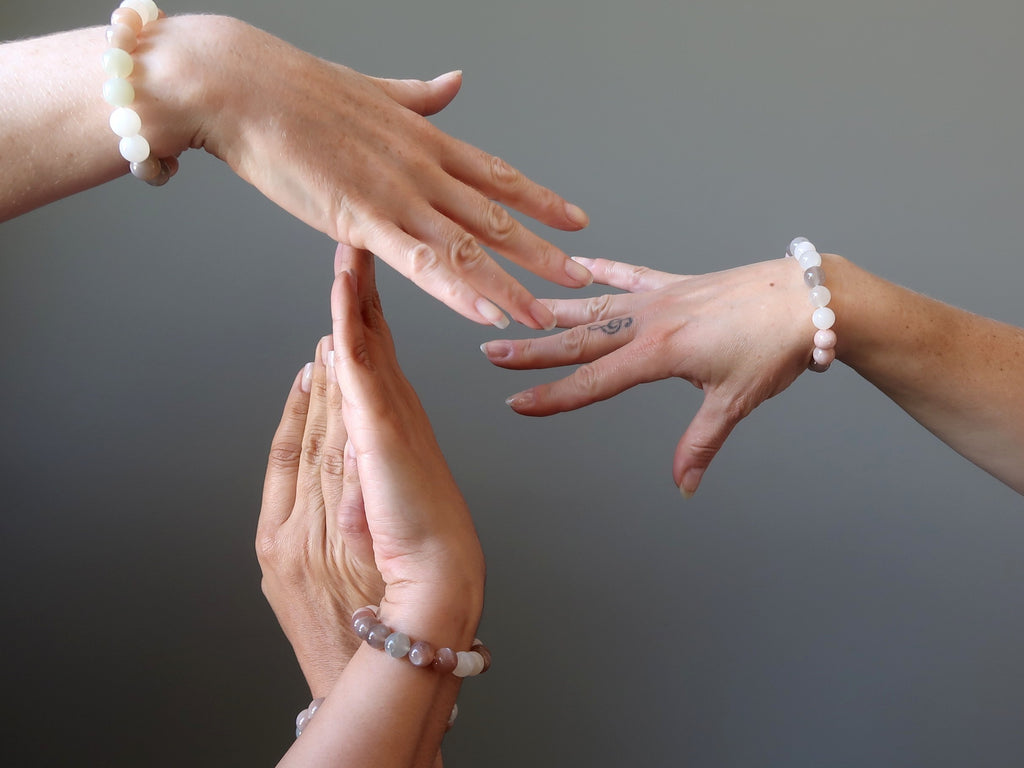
(126, 24)
(809, 259)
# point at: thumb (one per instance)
(425, 97)
(702, 440)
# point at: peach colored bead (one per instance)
(823, 357)
(825, 339)
(129, 17)
(445, 660)
(122, 37)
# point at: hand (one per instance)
(354, 157)
(742, 336)
(424, 542)
(317, 565)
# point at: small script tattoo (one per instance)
(612, 326)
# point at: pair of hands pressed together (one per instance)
(359, 506)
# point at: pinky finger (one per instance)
(351, 519)
(627, 277)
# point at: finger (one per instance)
(572, 312)
(702, 440)
(628, 277)
(498, 180)
(582, 344)
(285, 451)
(313, 438)
(417, 261)
(353, 362)
(494, 226)
(350, 516)
(363, 268)
(424, 97)
(333, 469)
(604, 378)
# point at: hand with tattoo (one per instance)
(742, 336)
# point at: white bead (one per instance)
(820, 296)
(823, 318)
(117, 63)
(118, 92)
(134, 149)
(809, 258)
(453, 715)
(794, 243)
(801, 247)
(470, 663)
(145, 8)
(125, 121)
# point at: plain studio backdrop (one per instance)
(844, 590)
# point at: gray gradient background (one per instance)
(843, 591)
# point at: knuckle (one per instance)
(284, 454)
(423, 260)
(503, 174)
(267, 549)
(636, 276)
(498, 223)
(586, 380)
(466, 254)
(313, 445)
(598, 307)
(574, 340)
(332, 463)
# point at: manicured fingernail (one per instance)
(576, 215)
(691, 479)
(491, 313)
(332, 375)
(496, 350)
(519, 400)
(588, 263)
(307, 378)
(545, 317)
(579, 273)
(453, 73)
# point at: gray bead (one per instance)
(814, 276)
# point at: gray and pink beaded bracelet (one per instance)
(809, 259)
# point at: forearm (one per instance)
(384, 711)
(956, 373)
(55, 136)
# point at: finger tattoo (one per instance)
(612, 326)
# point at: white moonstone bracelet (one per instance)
(126, 24)
(823, 318)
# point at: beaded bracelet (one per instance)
(823, 318)
(303, 718)
(126, 24)
(367, 625)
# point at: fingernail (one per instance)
(579, 273)
(691, 479)
(491, 313)
(588, 263)
(332, 375)
(307, 378)
(453, 73)
(576, 215)
(496, 350)
(519, 400)
(545, 317)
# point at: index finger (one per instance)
(285, 454)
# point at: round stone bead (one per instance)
(129, 17)
(117, 63)
(146, 8)
(168, 167)
(301, 720)
(817, 367)
(120, 36)
(814, 276)
(134, 149)
(315, 705)
(397, 645)
(823, 356)
(445, 660)
(823, 318)
(118, 92)
(362, 626)
(364, 611)
(469, 664)
(378, 636)
(453, 715)
(148, 170)
(421, 654)
(809, 258)
(125, 121)
(820, 296)
(794, 243)
(825, 339)
(801, 248)
(484, 652)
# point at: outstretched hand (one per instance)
(742, 336)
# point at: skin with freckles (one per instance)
(745, 334)
(352, 156)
